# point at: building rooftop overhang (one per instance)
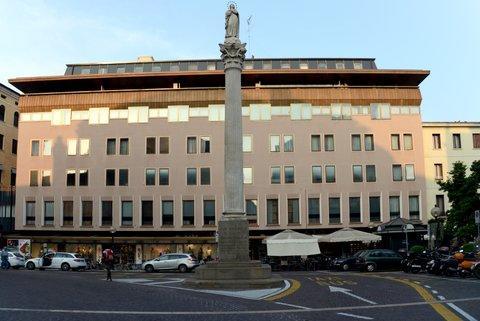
(434, 124)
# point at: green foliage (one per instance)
(462, 193)
(469, 247)
(416, 249)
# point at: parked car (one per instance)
(16, 260)
(59, 260)
(347, 263)
(173, 261)
(379, 259)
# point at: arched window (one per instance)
(15, 119)
(2, 113)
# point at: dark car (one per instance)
(347, 263)
(379, 259)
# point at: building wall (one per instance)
(8, 160)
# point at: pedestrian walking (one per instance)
(4, 258)
(107, 258)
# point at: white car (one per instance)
(16, 260)
(174, 261)
(58, 260)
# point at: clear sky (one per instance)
(443, 36)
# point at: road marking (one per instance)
(331, 280)
(441, 297)
(434, 292)
(428, 286)
(355, 316)
(294, 286)
(348, 292)
(462, 312)
(292, 305)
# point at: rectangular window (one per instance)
(314, 210)
(247, 143)
(127, 213)
(124, 146)
(329, 143)
(357, 173)
(289, 172)
(437, 144)
(439, 171)
(272, 211)
(330, 173)
(110, 177)
(87, 212)
(380, 111)
(374, 206)
(48, 211)
(33, 178)
(476, 140)
(440, 202)
(111, 146)
(191, 145)
(354, 205)
(275, 175)
(1, 141)
(356, 143)
(167, 213)
(274, 143)
(334, 210)
(84, 146)
(151, 143)
(457, 141)
(83, 177)
(147, 213)
(150, 174)
(209, 212)
(395, 141)
(71, 173)
(371, 173)
(204, 145)
(407, 142)
(414, 207)
(394, 207)
(67, 213)
(315, 143)
(247, 175)
(123, 177)
(164, 145)
(14, 146)
(164, 177)
(191, 176)
(287, 143)
(409, 172)
(397, 173)
(251, 209)
(316, 174)
(35, 148)
(46, 177)
(293, 211)
(107, 213)
(205, 176)
(188, 213)
(30, 213)
(71, 147)
(369, 143)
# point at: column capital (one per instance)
(233, 53)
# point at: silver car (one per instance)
(59, 260)
(173, 261)
(16, 260)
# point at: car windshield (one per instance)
(78, 256)
(18, 255)
(357, 254)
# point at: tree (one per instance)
(462, 192)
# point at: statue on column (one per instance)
(232, 22)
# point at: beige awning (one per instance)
(348, 235)
(291, 243)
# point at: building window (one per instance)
(437, 144)
(127, 213)
(287, 143)
(46, 177)
(251, 209)
(274, 143)
(357, 65)
(395, 141)
(47, 147)
(71, 147)
(339, 65)
(330, 173)
(438, 171)
(407, 142)
(371, 173)
(356, 143)
(354, 205)
(110, 177)
(48, 211)
(414, 207)
(188, 212)
(329, 143)
(71, 177)
(164, 177)
(204, 145)
(314, 210)
(205, 176)
(293, 211)
(409, 172)
(151, 143)
(247, 143)
(397, 173)
(87, 209)
(1, 141)
(316, 174)
(247, 175)
(369, 143)
(191, 145)
(440, 202)
(13, 176)
(2, 113)
(124, 146)
(260, 112)
(111, 146)
(394, 207)
(14, 146)
(374, 207)
(357, 173)
(272, 211)
(83, 177)
(35, 147)
(84, 147)
(33, 178)
(107, 213)
(315, 143)
(380, 111)
(457, 141)
(164, 145)
(191, 176)
(67, 213)
(209, 212)
(123, 177)
(150, 174)
(147, 213)
(30, 213)
(15, 119)
(275, 175)
(334, 210)
(476, 140)
(289, 172)
(167, 213)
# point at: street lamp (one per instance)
(406, 228)
(436, 213)
(112, 232)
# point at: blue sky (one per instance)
(40, 37)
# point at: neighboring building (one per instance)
(135, 151)
(445, 143)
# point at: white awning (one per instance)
(291, 243)
(348, 235)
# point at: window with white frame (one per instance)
(341, 111)
(247, 175)
(178, 113)
(409, 172)
(247, 143)
(84, 146)
(380, 111)
(300, 111)
(216, 112)
(71, 147)
(98, 116)
(61, 117)
(260, 112)
(138, 114)
(47, 147)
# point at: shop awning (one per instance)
(348, 235)
(291, 243)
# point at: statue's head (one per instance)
(232, 6)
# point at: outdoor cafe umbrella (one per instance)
(291, 243)
(348, 235)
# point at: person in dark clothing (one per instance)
(107, 258)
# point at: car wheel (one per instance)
(370, 267)
(149, 268)
(345, 267)
(65, 266)
(182, 268)
(30, 266)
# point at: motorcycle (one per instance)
(415, 263)
(468, 265)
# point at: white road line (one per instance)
(292, 305)
(428, 286)
(441, 297)
(334, 289)
(434, 292)
(355, 316)
(465, 314)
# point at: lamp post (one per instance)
(112, 232)
(406, 228)
(436, 213)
